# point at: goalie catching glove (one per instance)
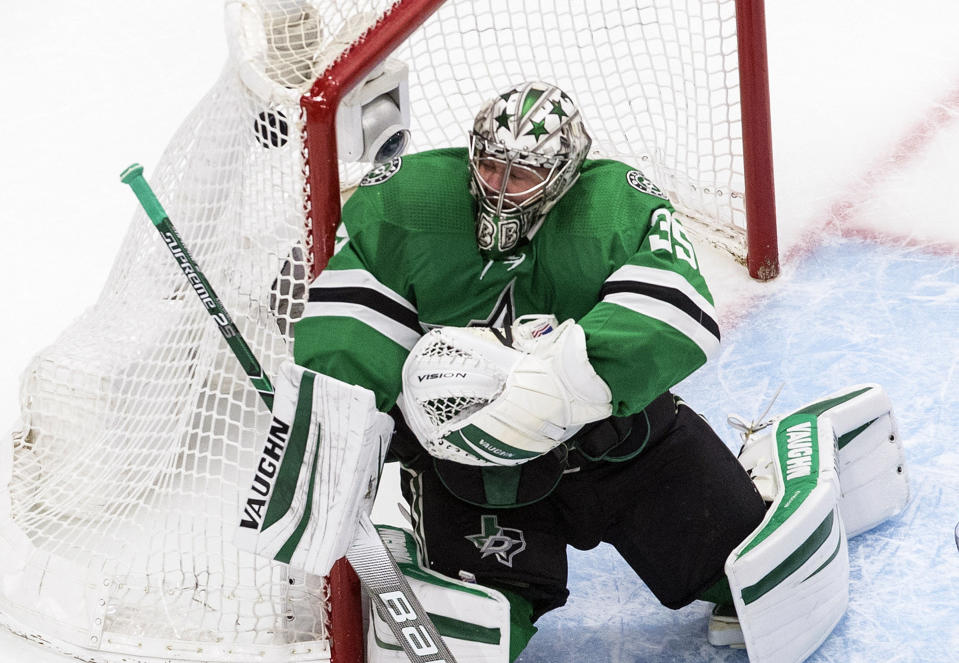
(477, 396)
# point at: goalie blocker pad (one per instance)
(316, 472)
(474, 621)
(834, 461)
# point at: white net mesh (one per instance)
(657, 82)
(138, 426)
(138, 432)
(442, 411)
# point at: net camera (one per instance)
(373, 119)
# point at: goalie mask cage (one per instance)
(120, 483)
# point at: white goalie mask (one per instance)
(526, 149)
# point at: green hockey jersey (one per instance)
(610, 254)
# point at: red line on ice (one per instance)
(840, 218)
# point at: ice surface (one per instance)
(866, 146)
(853, 312)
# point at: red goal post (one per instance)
(762, 256)
(735, 211)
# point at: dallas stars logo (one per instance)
(503, 543)
(382, 172)
(503, 313)
(639, 182)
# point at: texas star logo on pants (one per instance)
(503, 542)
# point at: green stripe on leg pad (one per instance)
(793, 562)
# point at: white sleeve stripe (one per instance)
(357, 278)
(368, 298)
(394, 330)
(668, 314)
(665, 295)
(665, 278)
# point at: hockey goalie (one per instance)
(522, 313)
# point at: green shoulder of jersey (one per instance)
(409, 261)
(429, 192)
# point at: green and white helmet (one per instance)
(526, 148)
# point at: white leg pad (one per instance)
(872, 465)
(790, 577)
(473, 620)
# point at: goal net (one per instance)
(121, 481)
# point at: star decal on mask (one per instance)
(503, 120)
(558, 110)
(538, 130)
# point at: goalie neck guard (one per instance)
(526, 149)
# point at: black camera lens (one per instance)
(392, 147)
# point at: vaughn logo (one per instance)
(476, 443)
(799, 454)
(265, 474)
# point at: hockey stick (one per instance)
(368, 555)
(134, 177)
